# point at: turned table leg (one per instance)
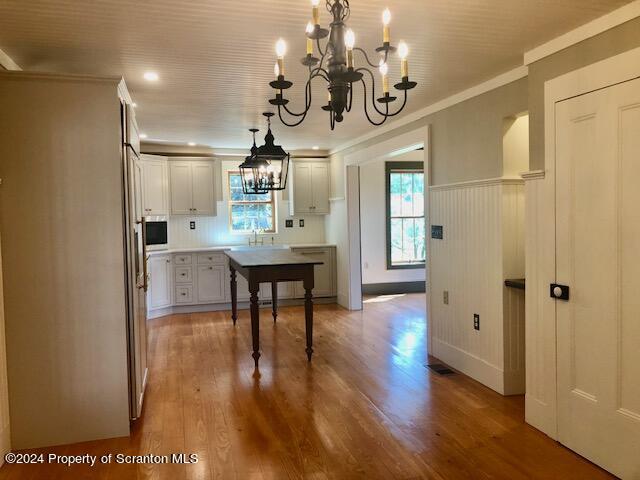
(274, 300)
(234, 296)
(308, 313)
(255, 321)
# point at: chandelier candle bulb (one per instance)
(314, 11)
(281, 50)
(384, 71)
(386, 19)
(403, 52)
(349, 41)
(309, 31)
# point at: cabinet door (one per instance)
(302, 188)
(320, 190)
(210, 283)
(155, 185)
(181, 190)
(203, 200)
(323, 274)
(159, 295)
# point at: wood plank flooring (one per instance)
(366, 407)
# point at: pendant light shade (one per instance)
(267, 168)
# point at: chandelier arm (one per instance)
(350, 102)
(366, 112)
(307, 104)
(366, 57)
(373, 90)
(332, 121)
(322, 54)
(295, 124)
(404, 103)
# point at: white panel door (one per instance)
(159, 294)
(181, 197)
(211, 283)
(202, 181)
(302, 188)
(320, 179)
(598, 239)
(154, 174)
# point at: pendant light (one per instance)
(267, 167)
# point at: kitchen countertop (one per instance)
(243, 247)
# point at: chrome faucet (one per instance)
(255, 239)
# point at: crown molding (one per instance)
(484, 87)
(584, 32)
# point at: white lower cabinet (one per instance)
(159, 293)
(324, 275)
(210, 283)
(203, 278)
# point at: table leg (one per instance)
(234, 296)
(255, 321)
(308, 317)
(274, 300)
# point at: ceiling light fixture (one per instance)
(337, 67)
(191, 144)
(134, 105)
(315, 147)
(267, 166)
(143, 135)
(151, 76)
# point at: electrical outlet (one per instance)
(288, 223)
(445, 297)
(192, 225)
(301, 222)
(476, 321)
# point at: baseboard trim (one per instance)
(470, 365)
(218, 307)
(394, 288)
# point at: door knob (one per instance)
(559, 292)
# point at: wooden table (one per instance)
(271, 266)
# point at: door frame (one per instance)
(611, 71)
(389, 148)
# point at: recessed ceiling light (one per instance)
(134, 105)
(191, 144)
(143, 135)
(315, 147)
(151, 76)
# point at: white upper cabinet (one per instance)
(191, 185)
(309, 188)
(155, 185)
(202, 182)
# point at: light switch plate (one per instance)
(192, 225)
(445, 297)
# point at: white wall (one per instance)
(5, 438)
(515, 146)
(373, 223)
(482, 224)
(212, 231)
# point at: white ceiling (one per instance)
(215, 58)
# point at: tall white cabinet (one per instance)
(309, 188)
(155, 185)
(191, 188)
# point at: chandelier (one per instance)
(336, 66)
(266, 168)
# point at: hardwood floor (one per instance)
(366, 407)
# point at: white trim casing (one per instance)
(584, 32)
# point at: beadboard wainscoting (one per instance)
(482, 245)
(540, 402)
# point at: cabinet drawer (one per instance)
(184, 275)
(184, 294)
(211, 258)
(182, 259)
